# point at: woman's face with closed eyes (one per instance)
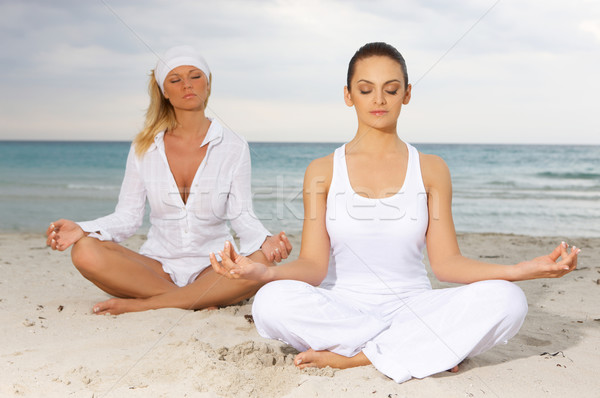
(377, 92)
(187, 88)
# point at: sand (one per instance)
(53, 346)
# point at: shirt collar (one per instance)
(214, 135)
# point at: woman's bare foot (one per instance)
(116, 306)
(321, 359)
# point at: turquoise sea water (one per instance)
(523, 189)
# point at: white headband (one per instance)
(177, 56)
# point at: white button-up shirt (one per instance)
(220, 192)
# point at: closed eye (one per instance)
(394, 92)
(365, 92)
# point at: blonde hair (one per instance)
(160, 116)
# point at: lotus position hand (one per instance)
(62, 234)
(234, 266)
(276, 248)
(548, 266)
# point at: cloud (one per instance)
(591, 26)
(523, 72)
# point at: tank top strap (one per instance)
(414, 179)
(340, 181)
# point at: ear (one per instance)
(407, 95)
(348, 97)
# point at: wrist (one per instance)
(269, 275)
(514, 272)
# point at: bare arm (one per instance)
(447, 262)
(311, 265)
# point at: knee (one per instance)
(509, 300)
(85, 255)
(271, 297)
(275, 301)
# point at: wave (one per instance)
(93, 187)
(569, 175)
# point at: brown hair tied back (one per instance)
(376, 49)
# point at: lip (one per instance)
(188, 96)
(378, 112)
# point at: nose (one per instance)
(187, 82)
(379, 97)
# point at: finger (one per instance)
(569, 261)
(269, 255)
(283, 250)
(227, 249)
(232, 253)
(557, 252)
(572, 258)
(288, 244)
(51, 237)
(564, 250)
(227, 263)
(577, 251)
(231, 269)
(277, 255)
(217, 267)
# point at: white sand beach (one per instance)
(53, 346)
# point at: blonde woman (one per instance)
(359, 292)
(195, 174)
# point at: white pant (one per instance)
(415, 334)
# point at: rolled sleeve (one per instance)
(129, 212)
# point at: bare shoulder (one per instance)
(321, 165)
(434, 170)
(318, 173)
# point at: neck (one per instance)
(191, 124)
(375, 141)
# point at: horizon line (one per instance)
(59, 140)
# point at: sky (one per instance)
(493, 71)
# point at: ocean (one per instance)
(533, 190)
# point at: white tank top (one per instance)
(377, 244)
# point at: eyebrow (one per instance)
(388, 82)
(178, 74)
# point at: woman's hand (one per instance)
(276, 248)
(62, 234)
(234, 266)
(548, 266)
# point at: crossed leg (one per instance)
(139, 282)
